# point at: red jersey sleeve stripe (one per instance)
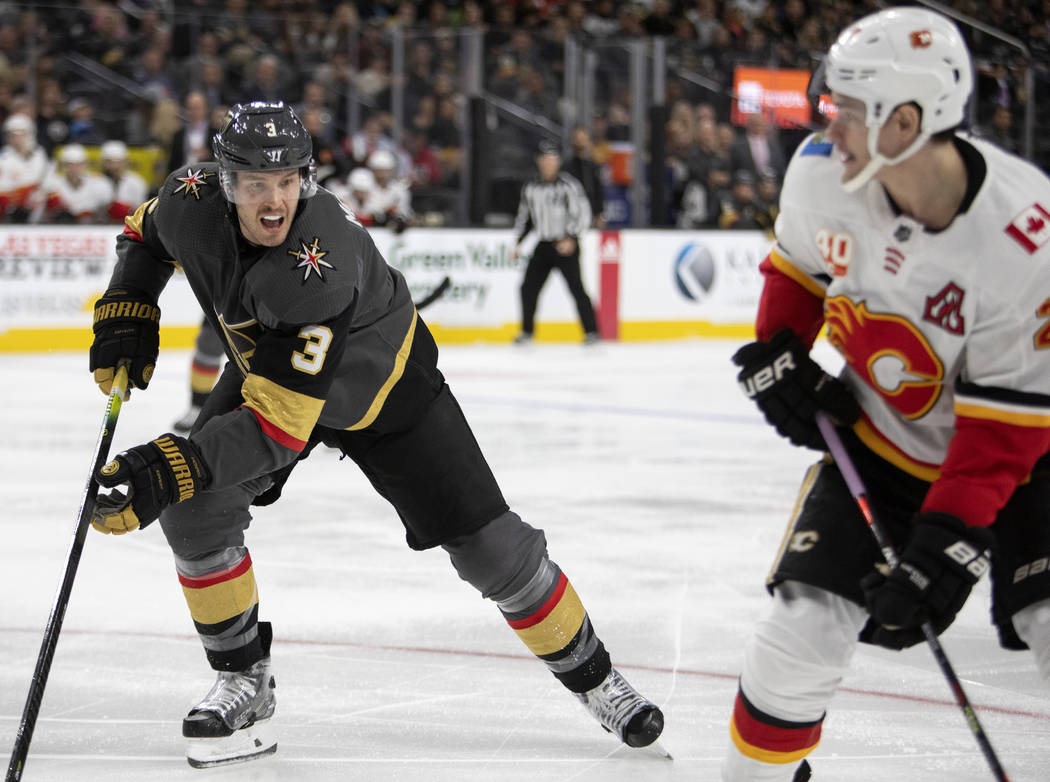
(787, 301)
(986, 461)
(787, 268)
(131, 233)
(277, 434)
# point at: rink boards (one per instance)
(645, 284)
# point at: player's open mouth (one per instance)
(271, 222)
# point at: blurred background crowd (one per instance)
(429, 112)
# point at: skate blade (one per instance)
(245, 744)
(657, 749)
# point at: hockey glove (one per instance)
(160, 473)
(789, 388)
(127, 329)
(944, 558)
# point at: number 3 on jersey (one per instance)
(311, 359)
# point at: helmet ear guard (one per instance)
(263, 136)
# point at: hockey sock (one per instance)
(204, 372)
(551, 621)
(223, 600)
(793, 663)
(1033, 626)
(765, 738)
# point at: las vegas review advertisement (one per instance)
(668, 283)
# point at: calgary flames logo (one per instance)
(889, 353)
(921, 39)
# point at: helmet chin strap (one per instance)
(878, 160)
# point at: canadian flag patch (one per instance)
(1031, 228)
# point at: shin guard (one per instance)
(223, 600)
(550, 619)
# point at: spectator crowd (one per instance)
(86, 87)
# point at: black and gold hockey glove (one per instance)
(789, 388)
(159, 473)
(944, 558)
(127, 329)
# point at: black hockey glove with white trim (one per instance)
(127, 329)
(789, 388)
(159, 473)
(944, 558)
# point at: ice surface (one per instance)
(663, 496)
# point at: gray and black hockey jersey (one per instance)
(320, 327)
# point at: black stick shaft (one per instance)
(435, 294)
(58, 609)
(860, 494)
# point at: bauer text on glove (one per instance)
(159, 473)
(942, 561)
(789, 388)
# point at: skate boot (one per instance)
(803, 772)
(189, 418)
(231, 724)
(623, 712)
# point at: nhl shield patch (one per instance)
(1031, 228)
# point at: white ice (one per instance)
(663, 496)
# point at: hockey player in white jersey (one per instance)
(926, 253)
(73, 194)
(129, 188)
(23, 166)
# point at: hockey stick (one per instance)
(58, 610)
(860, 494)
(435, 294)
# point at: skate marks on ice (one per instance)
(663, 495)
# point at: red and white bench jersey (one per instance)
(87, 199)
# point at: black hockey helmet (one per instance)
(263, 136)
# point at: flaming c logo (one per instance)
(888, 352)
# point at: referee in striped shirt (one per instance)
(556, 207)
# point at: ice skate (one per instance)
(231, 723)
(186, 422)
(623, 712)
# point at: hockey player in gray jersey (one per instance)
(324, 345)
(926, 253)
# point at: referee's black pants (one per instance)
(545, 258)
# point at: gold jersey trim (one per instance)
(290, 411)
(884, 449)
(782, 264)
(1037, 420)
(395, 374)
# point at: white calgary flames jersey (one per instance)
(87, 198)
(130, 190)
(931, 324)
(21, 173)
(393, 200)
